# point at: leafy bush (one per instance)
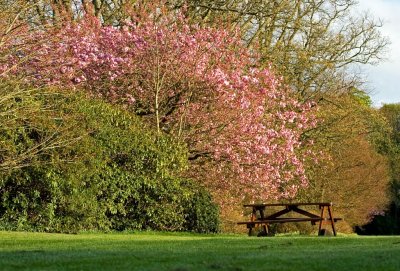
(108, 173)
(202, 213)
(35, 142)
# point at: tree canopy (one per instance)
(196, 83)
(313, 44)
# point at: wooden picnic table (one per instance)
(259, 216)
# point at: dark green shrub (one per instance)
(202, 213)
(36, 140)
(107, 172)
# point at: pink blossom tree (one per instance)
(243, 127)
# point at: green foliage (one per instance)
(202, 213)
(392, 114)
(28, 127)
(110, 173)
(360, 96)
(389, 222)
(355, 138)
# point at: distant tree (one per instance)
(392, 114)
(360, 96)
(387, 222)
(355, 175)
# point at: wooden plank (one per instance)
(278, 214)
(303, 212)
(278, 220)
(290, 219)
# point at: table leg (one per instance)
(253, 217)
(250, 231)
(322, 219)
(331, 220)
(254, 214)
(326, 219)
(265, 228)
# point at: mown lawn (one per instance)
(184, 252)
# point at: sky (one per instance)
(383, 80)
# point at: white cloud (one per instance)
(384, 79)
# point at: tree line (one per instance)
(261, 93)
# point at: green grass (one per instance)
(184, 252)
